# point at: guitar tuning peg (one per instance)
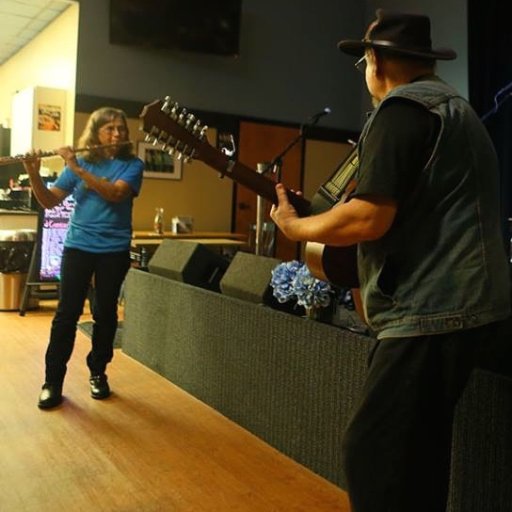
(182, 116)
(163, 135)
(188, 154)
(166, 104)
(196, 127)
(173, 114)
(149, 135)
(190, 119)
(202, 134)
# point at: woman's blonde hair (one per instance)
(89, 136)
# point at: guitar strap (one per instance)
(338, 186)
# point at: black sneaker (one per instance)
(51, 396)
(99, 387)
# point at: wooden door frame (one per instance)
(259, 143)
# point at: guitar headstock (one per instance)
(170, 127)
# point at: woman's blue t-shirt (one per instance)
(98, 225)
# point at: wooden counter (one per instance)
(222, 242)
(151, 235)
(18, 219)
(226, 242)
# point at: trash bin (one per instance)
(15, 254)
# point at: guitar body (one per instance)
(338, 265)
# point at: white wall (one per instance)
(47, 61)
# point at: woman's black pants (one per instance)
(77, 271)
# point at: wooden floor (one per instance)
(149, 447)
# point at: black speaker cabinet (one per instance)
(248, 278)
(188, 262)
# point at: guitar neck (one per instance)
(202, 150)
(251, 179)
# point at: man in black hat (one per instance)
(431, 262)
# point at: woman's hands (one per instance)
(32, 160)
(69, 157)
(32, 163)
(47, 198)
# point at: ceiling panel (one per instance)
(22, 20)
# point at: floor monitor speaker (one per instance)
(188, 262)
(248, 278)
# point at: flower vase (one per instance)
(311, 312)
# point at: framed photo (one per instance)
(158, 163)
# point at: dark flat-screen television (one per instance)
(204, 26)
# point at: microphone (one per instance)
(315, 118)
(310, 122)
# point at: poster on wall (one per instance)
(38, 119)
(49, 117)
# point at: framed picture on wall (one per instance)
(158, 163)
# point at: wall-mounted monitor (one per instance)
(204, 26)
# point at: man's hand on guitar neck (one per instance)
(360, 219)
(284, 214)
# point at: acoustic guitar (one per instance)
(177, 131)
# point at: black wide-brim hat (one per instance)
(406, 34)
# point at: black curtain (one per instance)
(490, 84)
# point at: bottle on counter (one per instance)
(144, 258)
(158, 224)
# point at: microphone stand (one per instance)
(262, 168)
(277, 162)
(275, 166)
